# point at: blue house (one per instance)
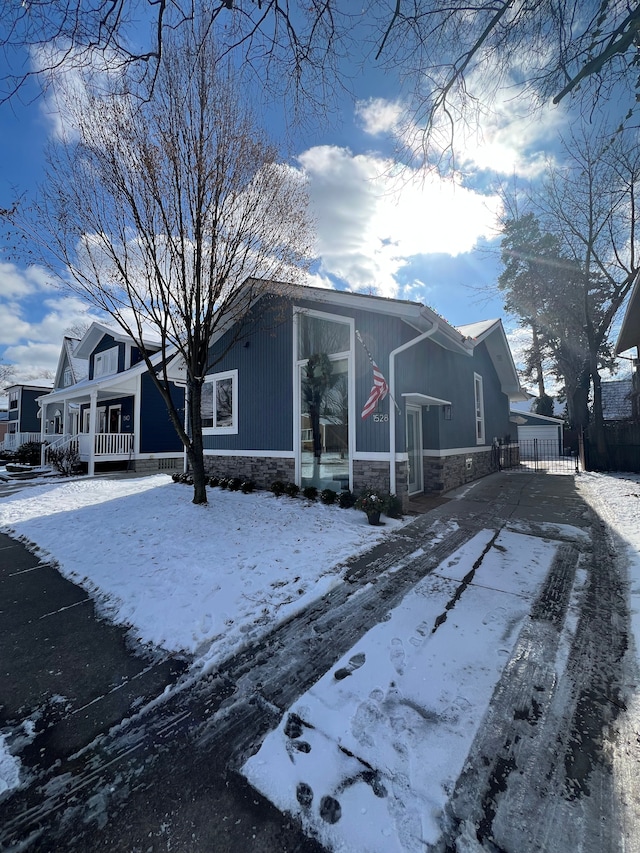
(23, 419)
(105, 405)
(341, 390)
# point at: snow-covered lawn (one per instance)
(407, 699)
(204, 580)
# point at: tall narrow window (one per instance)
(479, 399)
(219, 402)
(323, 350)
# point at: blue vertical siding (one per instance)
(265, 383)
(157, 432)
(126, 410)
(28, 411)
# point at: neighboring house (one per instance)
(629, 338)
(287, 402)
(23, 423)
(4, 425)
(105, 405)
(538, 434)
(617, 397)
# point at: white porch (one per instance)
(94, 420)
(107, 446)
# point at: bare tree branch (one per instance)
(174, 215)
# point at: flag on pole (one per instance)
(379, 391)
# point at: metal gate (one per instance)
(538, 455)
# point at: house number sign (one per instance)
(380, 419)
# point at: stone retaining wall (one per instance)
(441, 474)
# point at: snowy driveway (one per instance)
(468, 684)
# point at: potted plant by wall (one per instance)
(372, 504)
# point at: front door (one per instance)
(115, 418)
(414, 449)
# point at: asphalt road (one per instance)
(554, 767)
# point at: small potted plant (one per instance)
(371, 503)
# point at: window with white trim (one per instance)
(13, 399)
(105, 363)
(219, 403)
(67, 377)
(479, 400)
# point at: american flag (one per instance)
(378, 392)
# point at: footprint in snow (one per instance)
(304, 794)
(330, 809)
(294, 726)
(397, 655)
(355, 662)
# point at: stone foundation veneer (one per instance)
(376, 475)
(263, 470)
(443, 473)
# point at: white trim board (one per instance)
(262, 454)
(456, 451)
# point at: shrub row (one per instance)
(234, 484)
(344, 499)
(391, 505)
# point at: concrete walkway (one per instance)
(60, 664)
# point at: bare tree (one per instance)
(7, 373)
(452, 55)
(573, 275)
(172, 215)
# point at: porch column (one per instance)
(93, 411)
(43, 421)
(137, 419)
(66, 426)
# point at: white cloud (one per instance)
(372, 218)
(511, 133)
(512, 138)
(33, 345)
(16, 283)
(33, 359)
(378, 115)
(72, 74)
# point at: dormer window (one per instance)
(105, 363)
(67, 377)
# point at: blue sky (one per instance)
(381, 227)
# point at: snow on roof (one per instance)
(477, 330)
(79, 366)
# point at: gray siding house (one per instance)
(296, 399)
(104, 404)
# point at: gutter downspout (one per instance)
(392, 391)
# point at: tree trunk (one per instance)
(537, 358)
(581, 400)
(598, 416)
(195, 450)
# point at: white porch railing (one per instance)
(57, 442)
(13, 440)
(113, 444)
